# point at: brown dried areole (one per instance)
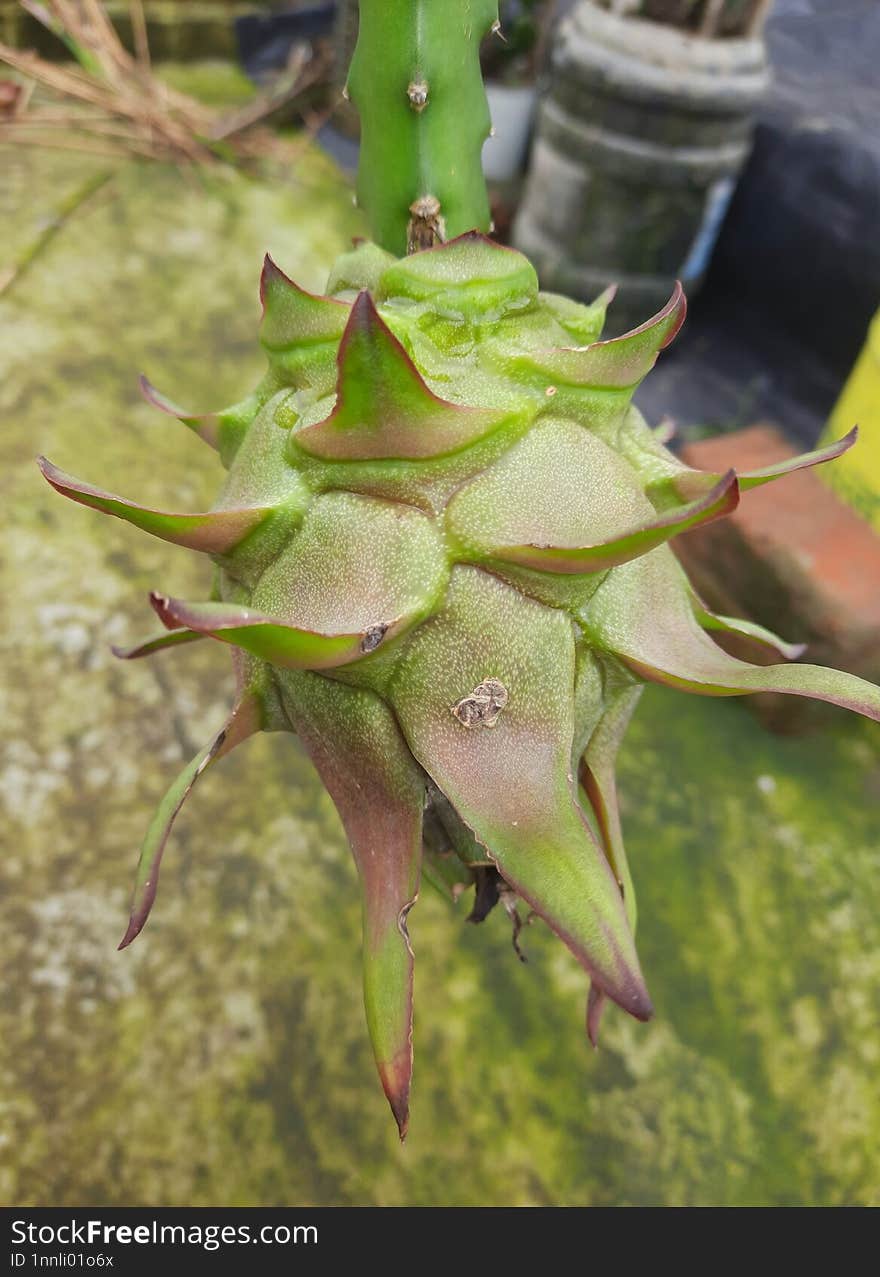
(483, 705)
(417, 93)
(426, 227)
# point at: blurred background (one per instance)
(145, 168)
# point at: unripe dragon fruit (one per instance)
(441, 551)
(441, 558)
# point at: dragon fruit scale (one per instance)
(441, 558)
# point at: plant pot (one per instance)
(639, 144)
(512, 107)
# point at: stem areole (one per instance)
(415, 79)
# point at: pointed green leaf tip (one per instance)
(643, 614)
(818, 457)
(745, 629)
(156, 643)
(379, 792)
(620, 362)
(582, 322)
(214, 532)
(299, 332)
(292, 316)
(682, 481)
(511, 783)
(207, 426)
(245, 719)
(597, 775)
(384, 409)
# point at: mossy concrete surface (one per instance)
(223, 1059)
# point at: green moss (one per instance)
(219, 83)
(757, 874)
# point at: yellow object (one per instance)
(856, 475)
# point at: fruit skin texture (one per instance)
(441, 558)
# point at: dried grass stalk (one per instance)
(109, 93)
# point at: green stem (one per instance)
(415, 79)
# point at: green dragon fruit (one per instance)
(441, 558)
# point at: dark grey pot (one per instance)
(639, 143)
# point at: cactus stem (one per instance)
(415, 80)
